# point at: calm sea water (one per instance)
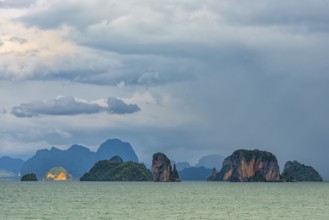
(148, 200)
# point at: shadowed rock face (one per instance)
(249, 165)
(29, 177)
(295, 171)
(162, 170)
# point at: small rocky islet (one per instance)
(162, 170)
(29, 177)
(295, 171)
(57, 174)
(116, 169)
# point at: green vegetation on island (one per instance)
(29, 177)
(261, 166)
(295, 171)
(248, 166)
(117, 170)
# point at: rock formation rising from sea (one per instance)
(116, 169)
(162, 170)
(29, 177)
(295, 171)
(249, 165)
(57, 174)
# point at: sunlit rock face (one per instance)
(162, 170)
(57, 174)
(249, 165)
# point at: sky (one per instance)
(186, 77)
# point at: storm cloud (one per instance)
(210, 77)
(72, 106)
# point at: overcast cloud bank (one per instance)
(205, 77)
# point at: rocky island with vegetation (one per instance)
(57, 174)
(116, 169)
(29, 177)
(262, 166)
(249, 166)
(162, 170)
(295, 171)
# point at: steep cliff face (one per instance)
(249, 165)
(162, 170)
(295, 171)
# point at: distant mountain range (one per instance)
(11, 164)
(202, 170)
(77, 160)
(182, 165)
(195, 173)
(211, 161)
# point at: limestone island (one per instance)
(117, 170)
(248, 166)
(262, 166)
(29, 177)
(57, 174)
(297, 172)
(162, 170)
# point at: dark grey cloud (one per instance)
(141, 71)
(72, 106)
(304, 14)
(171, 41)
(117, 106)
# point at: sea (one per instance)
(147, 200)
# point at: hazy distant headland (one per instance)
(116, 160)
